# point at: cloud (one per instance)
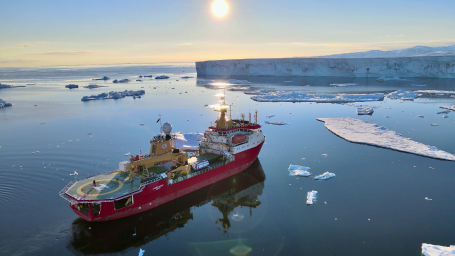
(2, 61)
(72, 53)
(185, 44)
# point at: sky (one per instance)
(60, 32)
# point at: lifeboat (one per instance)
(238, 139)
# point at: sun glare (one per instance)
(219, 8)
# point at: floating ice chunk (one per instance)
(127, 154)
(426, 198)
(187, 77)
(437, 250)
(420, 116)
(403, 95)
(344, 85)
(365, 111)
(4, 104)
(445, 116)
(270, 116)
(418, 85)
(448, 107)
(434, 124)
(141, 252)
(395, 78)
(297, 96)
(74, 174)
(298, 170)
(359, 131)
(276, 123)
(257, 92)
(325, 176)
(444, 112)
(234, 81)
(311, 195)
(113, 95)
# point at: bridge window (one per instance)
(122, 203)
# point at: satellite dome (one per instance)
(167, 127)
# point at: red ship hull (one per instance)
(159, 193)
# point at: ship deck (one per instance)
(108, 186)
(208, 156)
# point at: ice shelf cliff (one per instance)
(426, 66)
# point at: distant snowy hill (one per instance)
(409, 52)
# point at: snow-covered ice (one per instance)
(434, 124)
(395, 78)
(276, 123)
(359, 131)
(344, 85)
(257, 92)
(311, 195)
(235, 81)
(365, 111)
(325, 176)
(436, 92)
(113, 95)
(448, 107)
(437, 250)
(403, 95)
(188, 141)
(298, 170)
(141, 252)
(445, 116)
(296, 96)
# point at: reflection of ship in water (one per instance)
(119, 235)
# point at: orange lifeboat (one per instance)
(238, 139)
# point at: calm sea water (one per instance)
(374, 206)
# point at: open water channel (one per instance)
(374, 206)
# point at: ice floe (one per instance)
(436, 92)
(257, 92)
(344, 85)
(296, 96)
(311, 196)
(93, 86)
(72, 86)
(434, 124)
(444, 112)
(437, 250)
(403, 95)
(270, 116)
(113, 95)
(445, 116)
(4, 104)
(276, 123)
(162, 77)
(121, 81)
(325, 176)
(235, 81)
(188, 141)
(205, 81)
(141, 252)
(365, 111)
(298, 170)
(359, 131)
(448, 107)
(187, 77)
(395, 78)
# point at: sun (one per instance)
(220, 8)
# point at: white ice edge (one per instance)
(298, 170)
(311, 195)
(359, 131)
(437, 250)
(297, 96)
(403, 95)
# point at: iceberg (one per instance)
(187, 77)
(365, 111)
(188, 141)
(276, 123)
(344, 85)
(6, 86)
(234, 81)
(403, 95)
(325, 176)
(113, 95)
(311, 196)
(437, 250)
(239, 89)
(121, 81)
(296, 96)
(72, 86)
(93, 86)
(257, 92)
(359, 131)
(298, 170)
